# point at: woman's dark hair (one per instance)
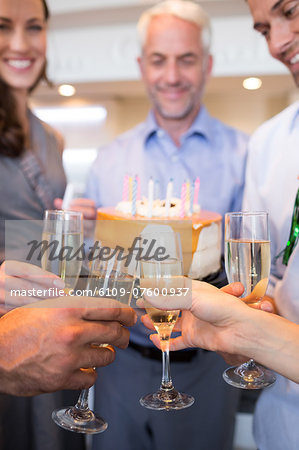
(12, 137)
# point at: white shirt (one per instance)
(271, 185)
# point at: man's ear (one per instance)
(210, 64)
(140, 63)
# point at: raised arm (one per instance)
(221, 322)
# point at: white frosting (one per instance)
(206, 259)
(158, 210)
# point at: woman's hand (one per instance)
(22, 283)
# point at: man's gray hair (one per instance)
(183, 9)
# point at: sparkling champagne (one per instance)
(248, 262)
(162, 279)
(61, 256)
(115, 285)
(163, 320)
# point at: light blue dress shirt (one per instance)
(210, 150)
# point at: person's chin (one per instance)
(174, 112)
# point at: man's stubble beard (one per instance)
(169, 115)
(193, 103)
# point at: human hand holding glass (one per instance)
(109, 278)
(164, 278)
(63, 232)
(247, 260)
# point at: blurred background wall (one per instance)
(93, 46)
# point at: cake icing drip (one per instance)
(158, 208)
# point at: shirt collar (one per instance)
(151, 126)
(202, 125)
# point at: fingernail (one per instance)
(58, 282)
(266, 308)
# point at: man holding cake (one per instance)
(178, 141)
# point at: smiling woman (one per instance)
(22, 66)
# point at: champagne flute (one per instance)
(111, 278)
(248, 260)
(164, 278)
(63, 234)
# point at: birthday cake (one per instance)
(200, 231)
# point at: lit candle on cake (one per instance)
(168, 197)
(192, 198)
(138, 188)
(134, 197)
(130, 188)
(187, 198)
(157, 190)
(183, 200)
(196, 191)
(126, 189)
(150, 197)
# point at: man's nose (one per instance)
(281, 37)
(172, 73)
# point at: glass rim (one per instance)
(61, 213)
(149, 233)
(246, 213)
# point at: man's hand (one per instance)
(44, 346)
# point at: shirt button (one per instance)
(174, 158)
(160, 133)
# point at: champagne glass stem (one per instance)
(166, 377)
(82, 403)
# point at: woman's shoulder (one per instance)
(51, 132)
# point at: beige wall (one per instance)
(236, 107)
(244, 111)
(226, 100)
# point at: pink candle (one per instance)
(188, 200)
(196, 191)
(183, 200)
(126, 189)
(137, 178)
(134, 197)
(130, 188)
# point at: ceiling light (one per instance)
(252, 83)
(66, 90)
(80, 115)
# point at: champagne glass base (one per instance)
(237, 378)
(166, 400)
(72, 419)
